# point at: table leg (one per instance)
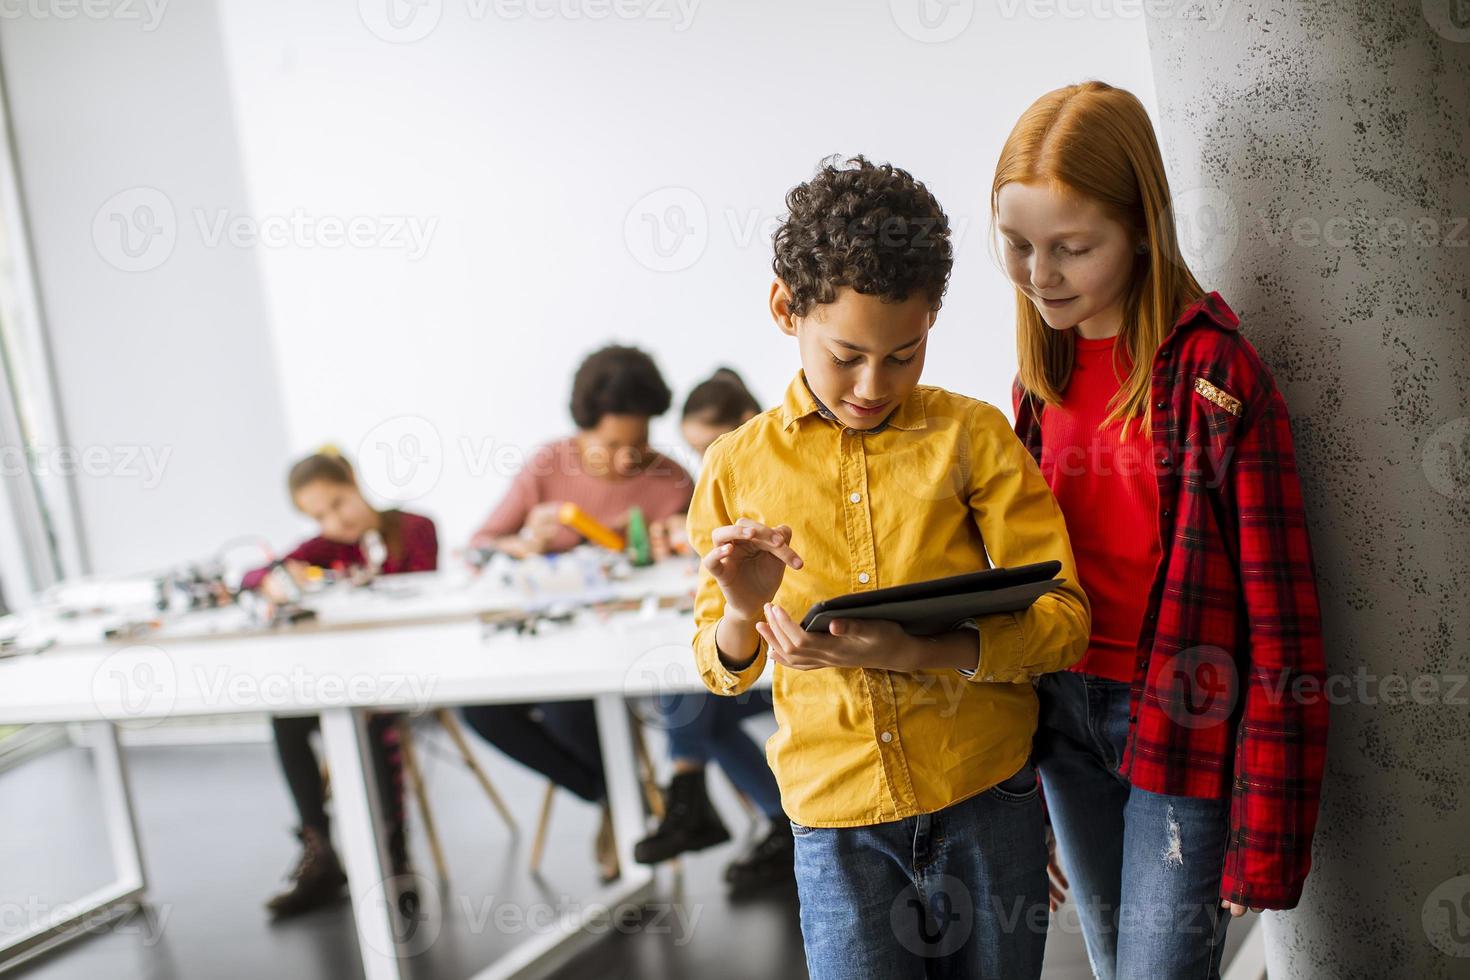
(364, 850)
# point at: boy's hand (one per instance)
(876, 644)
(748, 561)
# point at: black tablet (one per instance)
(924, 608)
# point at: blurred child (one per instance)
(701, 727)
(605, 468)
(353, 535)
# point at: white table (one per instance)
(342, 671)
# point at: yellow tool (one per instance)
(583, 523)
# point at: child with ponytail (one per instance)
(354, 535)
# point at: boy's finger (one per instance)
(776, 642)
(758, 536)
(793, 634)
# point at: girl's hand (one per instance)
(542, 525)
(1057, 883)
(748, 561)
(1236, 911)
(872, 643)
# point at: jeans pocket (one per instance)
(799, 830)
(1019, 788)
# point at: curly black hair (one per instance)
(869, 226)
(618, 381)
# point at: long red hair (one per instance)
(1096, 141)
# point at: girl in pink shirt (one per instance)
(605, 468)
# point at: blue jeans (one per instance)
(1144, 868)
(702, 727)
(957, 893)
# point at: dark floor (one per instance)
(215, 821)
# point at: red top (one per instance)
(418, 542)
(1227, 697)
(1109, 495)
(555, 472)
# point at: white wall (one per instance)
(166, 382)
(527, 142)
(527, 146)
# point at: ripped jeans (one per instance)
(1144, 868)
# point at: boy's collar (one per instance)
(801, 401)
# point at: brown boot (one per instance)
(317, 879)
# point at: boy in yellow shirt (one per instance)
(903, 761)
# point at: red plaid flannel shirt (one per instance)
(1228, 690)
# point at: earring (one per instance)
(1142, 248)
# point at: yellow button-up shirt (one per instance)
(940, 484)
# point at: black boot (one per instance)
(772, 861)
(404, 876)
(690, 823)
(317, 879)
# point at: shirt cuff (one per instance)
(716, 676)
(1001, 649)
(968, 673)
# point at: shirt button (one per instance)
(863, 577)
(886, 736)
(1166, 512)
(855, 497)
(1161, 405)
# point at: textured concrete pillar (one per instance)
(1318, 153)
